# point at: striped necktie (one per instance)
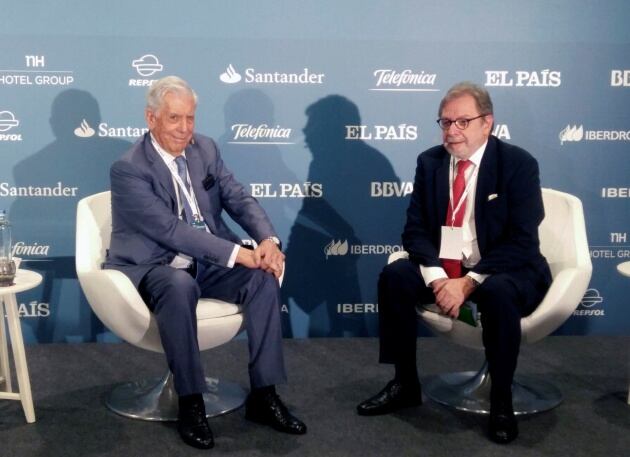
(182, 171)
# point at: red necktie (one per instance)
(453, 267)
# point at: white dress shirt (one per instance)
(470, 251)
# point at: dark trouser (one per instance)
(502, 300)
(172, 296)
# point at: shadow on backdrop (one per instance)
(325, 270)
(259, 164)
(75, 164)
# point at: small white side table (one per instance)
(624, 269)
(24, 280)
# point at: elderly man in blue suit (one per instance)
(168, 194)
(471, 233)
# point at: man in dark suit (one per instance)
(471, 233)
(168, 194)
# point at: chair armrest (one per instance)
(117, 303)
(562, 298)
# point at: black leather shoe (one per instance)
(193, 426)
(393, 397)
(268, 409)
(502, 426)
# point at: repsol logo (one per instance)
(590, 304)
(7, 122)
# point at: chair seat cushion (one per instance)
(208, 308)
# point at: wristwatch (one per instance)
(473, 281)
(273, 239)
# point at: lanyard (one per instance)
(192, 201)
(462, 198)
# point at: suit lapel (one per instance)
(441, 188)
(160, 169)
(486, 185)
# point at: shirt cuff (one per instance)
(232, 259)
(430, 274)
(480, 278)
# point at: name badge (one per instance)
(452, 243)
(199, 224)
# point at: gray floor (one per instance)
(328, 377)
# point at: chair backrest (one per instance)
(564, 244)
(94, 228)
(562, 232)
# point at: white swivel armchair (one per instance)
(624, 269)
(563, 243)
(119, 306)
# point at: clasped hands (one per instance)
(267, 256)
(451, 293)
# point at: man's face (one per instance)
(173, 123)
(463, 143)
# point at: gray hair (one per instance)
(168, 84)
(481, 96)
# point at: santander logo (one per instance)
(230, 76)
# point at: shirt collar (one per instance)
(477, 155)
(166, 157)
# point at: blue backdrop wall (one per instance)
(321, 109)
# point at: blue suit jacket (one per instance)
(146, 230)
(506, 224)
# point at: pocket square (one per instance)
(492, 197)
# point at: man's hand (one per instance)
(246, 258)
(450, 294)
(269, 257)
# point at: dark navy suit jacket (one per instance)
(508, 210)
(146, 230)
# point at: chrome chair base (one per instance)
(155, 399)
(470, 391)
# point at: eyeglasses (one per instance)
(461, 124)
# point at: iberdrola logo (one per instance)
(571, 133)
(336, 248)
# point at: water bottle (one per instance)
(7, 266)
